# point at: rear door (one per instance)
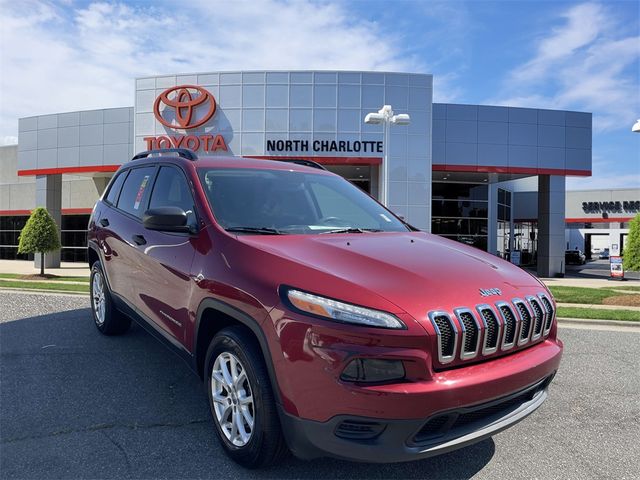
(164, 284)
(121, 222)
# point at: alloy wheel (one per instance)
(232, 399)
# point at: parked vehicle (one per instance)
(574, 257)
(604, 254)
(318, 320)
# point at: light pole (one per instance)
(386, 117)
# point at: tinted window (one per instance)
(135, 192)
(171, 190)
(114, 189)
(292, 202)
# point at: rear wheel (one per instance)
(241, 400)
(105, 316)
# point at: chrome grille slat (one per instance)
(470, 329)
(511, 323)
(492, 329)
(525, 320)
(538, 317)
(550, 313)
(447, 335)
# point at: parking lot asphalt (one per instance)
(75, 404)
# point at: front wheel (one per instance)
(241, 400)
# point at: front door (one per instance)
(165, 285)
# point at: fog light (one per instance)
(372, 370)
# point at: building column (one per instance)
(551, 225)
(492, 219)
(49, 196)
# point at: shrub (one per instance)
(40, 234)
(631, 259)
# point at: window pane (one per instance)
(300, 96)
(324, 96)
(253, 96)
(277, 95)
(114, 189)
(277, 120)
(324, 120)
(135, 192)
(300, 120)
(453, 208)
(462, 191)
(252, 120)
(172, 190)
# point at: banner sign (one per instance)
(617, 270)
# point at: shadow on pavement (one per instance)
(76, 404)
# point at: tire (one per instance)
(107, 319)
(234, 349)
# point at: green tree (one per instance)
(631, 259)
(40, 234)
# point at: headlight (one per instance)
(342, 312)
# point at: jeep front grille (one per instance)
(497, 328)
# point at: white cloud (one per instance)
(588, 62)
(54, 58)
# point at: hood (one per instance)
(415, 271)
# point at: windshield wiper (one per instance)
(256, 230)
(352, 230)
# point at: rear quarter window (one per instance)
(136, 190)
(115, 188)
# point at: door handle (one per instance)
(104, 222)
(139, 240)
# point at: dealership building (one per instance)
(454, 170)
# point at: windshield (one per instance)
(285, 202)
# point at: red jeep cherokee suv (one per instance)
(318, 319)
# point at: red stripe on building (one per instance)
(68, 170)
(511, 170)
(65, 211)
(599, 220)
(323, 160)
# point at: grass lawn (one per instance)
(593, 296)
(598, 314)
(46, 285)
(20, 276)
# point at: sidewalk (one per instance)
(589, 282)
(598, 307)
(25, 267)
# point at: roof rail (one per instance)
(300, 161)
(182, 152)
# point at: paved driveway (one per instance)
(75, 404)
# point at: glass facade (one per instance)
(460, 212)
(73, 237)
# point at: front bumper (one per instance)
(386, 441)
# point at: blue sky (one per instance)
(69, 55)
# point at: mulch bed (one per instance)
(623, 300)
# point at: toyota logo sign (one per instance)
(185, 106)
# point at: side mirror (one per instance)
(166, 219)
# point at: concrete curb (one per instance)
(589, 321)
(42, 292)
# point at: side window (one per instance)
(172, 190)
(135, 191)
(116, 186)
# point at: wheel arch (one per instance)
(214, 315)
